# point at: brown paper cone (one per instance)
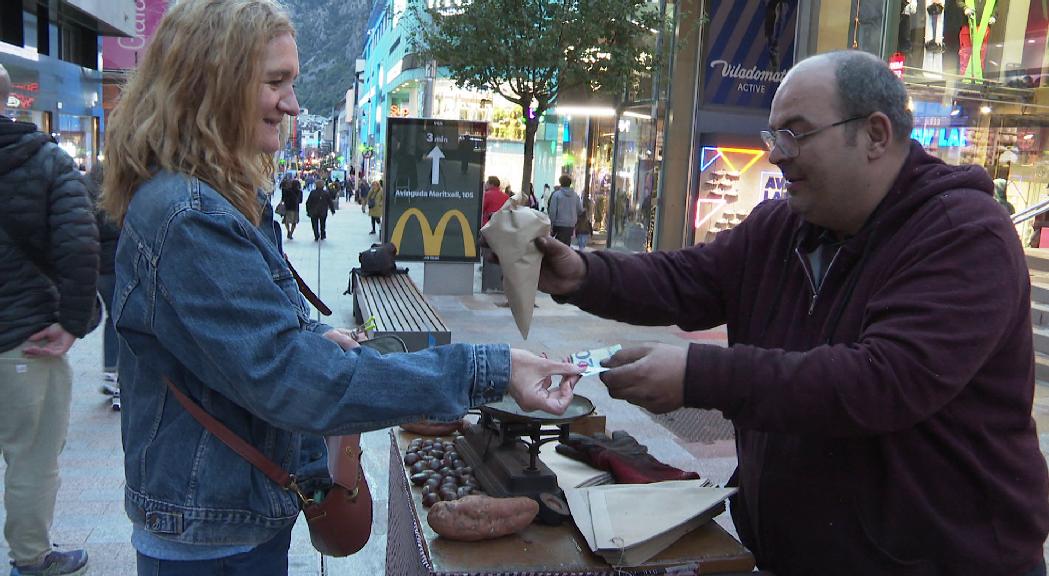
(510, 233)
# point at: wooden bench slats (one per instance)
(398, 306)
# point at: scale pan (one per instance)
(507, 410)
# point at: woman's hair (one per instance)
(192, 104)
(376, 185)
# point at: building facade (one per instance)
(581, 137)
(52, 51)
(977, 72)
(681, 159)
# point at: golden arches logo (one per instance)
(433, 238)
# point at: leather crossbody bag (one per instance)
(340, 523)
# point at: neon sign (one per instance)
(943, 137)
(711, 153)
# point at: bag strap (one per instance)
(345, 467)
(235, 443)
(313, 298)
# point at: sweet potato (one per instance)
(481, 517)
(428, 428)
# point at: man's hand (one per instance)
(346, 339)
(531, 378)
(51, 342)
(563, 269)
(652, 377)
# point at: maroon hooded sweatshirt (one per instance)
(883, 420)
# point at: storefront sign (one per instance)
(749, 51)
(942, 137)
(434, 170)
(773, 183)
(119, 53)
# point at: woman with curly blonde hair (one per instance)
(205, 303)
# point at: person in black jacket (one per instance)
(49, 266)
(108, 235)
(291, 197)
(318, 204)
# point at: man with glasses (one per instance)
(879, 369)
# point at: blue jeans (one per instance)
(110, 346)
(267, 559)
(581, 240)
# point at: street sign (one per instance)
(435, 172)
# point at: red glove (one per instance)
(622, 455)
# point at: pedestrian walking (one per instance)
(376, 199)
(583, 226)
(291, 198)
(319, 203)
(48, 299)
(362, 193)
(564, 210)
(493, 199)
(211, 309)
(108, 235)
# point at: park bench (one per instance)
(399, 309)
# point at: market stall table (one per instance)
(413, 548)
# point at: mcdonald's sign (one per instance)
(433, 238)
(434, 174)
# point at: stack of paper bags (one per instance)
(510, 233)
(572, 473)
(628, 524)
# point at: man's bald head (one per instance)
(865, 85)
(5, 88)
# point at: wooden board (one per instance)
(413, 549)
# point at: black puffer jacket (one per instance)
(48, 213)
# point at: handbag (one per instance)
(340, 522)
(379, 260)
(280, 209)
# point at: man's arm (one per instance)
(74, 245)
(929, 329)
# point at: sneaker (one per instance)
(110, 383)
(116, 402)
(55, 563)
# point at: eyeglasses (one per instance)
(787, 140)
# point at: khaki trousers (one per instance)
(34, 417)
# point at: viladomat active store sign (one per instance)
(748, 52)
(434, 177)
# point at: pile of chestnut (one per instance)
(436, 467)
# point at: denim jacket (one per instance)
(205, 298)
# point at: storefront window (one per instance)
(733, 180)
(32, 116)
(839, 27)
(975, 40)
(76, 135)
(637, 169)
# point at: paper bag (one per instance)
(510, 233)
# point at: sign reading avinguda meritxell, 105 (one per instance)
(434, 181)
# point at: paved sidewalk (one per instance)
(90, 503)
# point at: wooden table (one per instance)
(413, 548)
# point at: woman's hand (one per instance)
(346, 339)
(531, 377)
